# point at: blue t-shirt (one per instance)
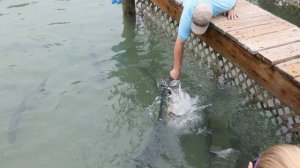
(218, 7)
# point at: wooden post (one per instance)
(128, 8)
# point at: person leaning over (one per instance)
(278, 156)
(196, 16)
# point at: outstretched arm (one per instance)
(178, 53)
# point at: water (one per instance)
(78, 89)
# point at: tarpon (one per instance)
(178, 118)
(163, 148)
(13, 126)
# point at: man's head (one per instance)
(202, 15)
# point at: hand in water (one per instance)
(116, 1)
(175, 74)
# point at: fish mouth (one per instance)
(164, 82)
(169, 92)
(169, 83)
(169, 87)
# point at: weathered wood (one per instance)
(168, 7)
(271, 40)
(248, 17)
(242, 3)
(274, 81)
(243, 12)
(280, 54)
(231, 25)
(290, 69)
(128, 8)
(260, 30)
(297, 79)
(253, 25)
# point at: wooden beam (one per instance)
(169, 7)
(281, 54)
(275, 82)
(128, 8)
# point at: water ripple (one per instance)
(58, 23)
(18, 5)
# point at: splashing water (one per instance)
(186, 109)
(180, 102)
(225, 154)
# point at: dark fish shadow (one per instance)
(13, 127)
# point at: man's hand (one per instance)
(250, 165)
(231, 14)
(175, 74)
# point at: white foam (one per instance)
(181, 103)
(187, 110)
(225, 154)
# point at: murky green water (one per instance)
(78, 90)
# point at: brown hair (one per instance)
(280, 156)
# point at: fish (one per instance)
(13, 127)
(177, 123)
(164, 147)
(169, 89)
(98, 68)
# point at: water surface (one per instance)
(78, 89)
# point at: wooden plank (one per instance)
(297, 79)
(280, 54)
(291, 69)
(270, 40)
(242, 3)
(243, 12)
(261, 29)
(231, 25)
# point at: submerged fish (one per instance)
(178, 121)
(175, 101)
(13, 127)
(168, 88)
(164, 147)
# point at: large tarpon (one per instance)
(164, 147)
(178, 118)
(14, 122)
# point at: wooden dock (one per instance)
(265, 47)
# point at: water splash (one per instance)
(181, 102)
(225, 154)
(186, 110)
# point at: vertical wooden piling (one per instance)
(128, 8)
(129, 16)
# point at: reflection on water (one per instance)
(84, 94)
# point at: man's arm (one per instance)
(178, 54)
